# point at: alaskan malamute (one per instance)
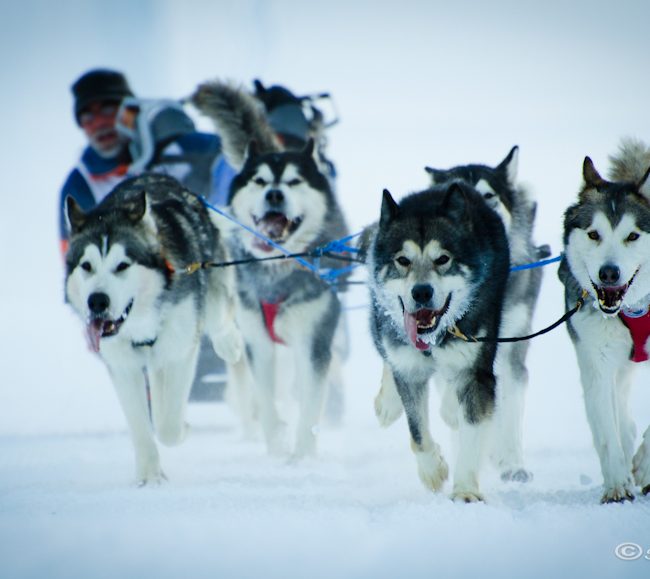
(513, 203)
(144, 315)
(607, 255)
(285, 196)
(438, 261)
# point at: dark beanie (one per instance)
(99, 84)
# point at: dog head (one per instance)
(497, 184)
(607, 240)
(283, 196)
(425, 266)
(113, 269)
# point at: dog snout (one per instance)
(98, 303)
(609, 274)
(274, 197)
(422, 294)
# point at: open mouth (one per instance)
(101, 327)
(276, 226)
(422, 322)
(610, 298)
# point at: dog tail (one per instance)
(238, 117)
(630, 162)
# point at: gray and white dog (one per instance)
(607, 256)
(285, 196)
(513, 203)
(438, 261)
(144, 315)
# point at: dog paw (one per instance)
(387, 408)
(520, 475)
(617, 494)
(152, 479)
(432, 469)
(229, 346)
(467, 496)
(641, 467)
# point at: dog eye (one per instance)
(86, 266)
(488, 195)
(122, 266)
(593, 235)
(633, 236)
(259, 181)
(403, 261)
(442, 260)
(294, 182)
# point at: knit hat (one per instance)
(99, 84)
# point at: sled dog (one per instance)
(607, 256)
(438, 261)
(144, 315)
(514, 205)
(285, 196)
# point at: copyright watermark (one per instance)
(631, 552)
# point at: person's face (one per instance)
(98, 123)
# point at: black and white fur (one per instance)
(144, 315)
(285, 196)
(607, 254)
(437, 260)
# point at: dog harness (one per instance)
(638, 323)
(270, 311)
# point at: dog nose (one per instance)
(609, 274)
(274, 196)
(422, 293)
(98, 302)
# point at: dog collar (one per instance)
(270, 311)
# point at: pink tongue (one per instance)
(94, 334)
(411, 327)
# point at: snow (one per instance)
(416, 83)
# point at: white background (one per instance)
(415, 83)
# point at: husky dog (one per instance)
(286, 197)
(144, 315)
(512, 202)
(607, 256)
(439, 261)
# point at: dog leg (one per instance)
(471, 438)
(512, 380)
(626, 425)
(432, 468)
(598, 376)
(239, 396)
(171, 381)
(641, 464)
(388, 404)
(130, 384)
(220, 319)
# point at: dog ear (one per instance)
(456, 203)
(135, 206)
(308, 149)
(389, 209)
(436, 175)
(74, 214)
(592, 178)
(510, 165)
(252, 151)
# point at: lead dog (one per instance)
(143, 314)
(607, 255)
(439, 261)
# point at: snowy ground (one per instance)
(419, 83)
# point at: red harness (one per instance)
(639, 327)
(270, 311)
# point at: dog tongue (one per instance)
(411, 327)
(274, 224)
(94, 333)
